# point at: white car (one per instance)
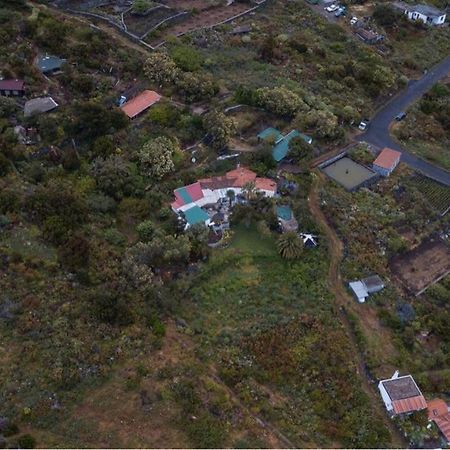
(332, 8)
(362, 125)
(353, 21)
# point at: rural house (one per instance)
(363, 288)
(39, 105)
(140, 103)
(309, 240)
(50, 65)
(427, 14)
(386, 161)
(439, 413)
(190, 200)
(12, 88)
(401, 394)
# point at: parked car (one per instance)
(363, 124)
(332, 8)
(400, 116)
(340, 12)
(353, 21)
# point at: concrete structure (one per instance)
(439, 413)
(425, 13)
(401, 395)
(386, 161)
(363, 288)
(208, 191)
(39, 105)
(140, 103)
(12, 88)
(286, 219)
(349, 173)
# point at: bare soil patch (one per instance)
(203, 19)
(422, 266)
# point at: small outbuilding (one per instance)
(50, 65)
(39, 105)
(12, 88)
(401, 395)
(363, 288)
(368, 36)
(140, 103)
(386, 161)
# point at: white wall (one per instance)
(384, 395)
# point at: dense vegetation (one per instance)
(106, 305)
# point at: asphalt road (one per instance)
(378, 134)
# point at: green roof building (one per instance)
(281, 149)
(270, 134)
(196, 215)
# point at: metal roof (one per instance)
(359, 289)
(49, 63)
(195, 215)
(39, 105)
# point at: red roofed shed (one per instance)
(439, 413)
(12, 87)
(140, 103)
(386, 161)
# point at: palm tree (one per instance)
(231, 195)
(290, 246)
(249, 190)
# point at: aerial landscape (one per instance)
(224, 224)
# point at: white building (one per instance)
(363, 288)
(401, 395)
(425, 13)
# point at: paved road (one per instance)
(378, 135)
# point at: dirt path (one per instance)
(343, 300)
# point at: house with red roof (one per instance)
(439, 413)
(386, 161)
(401, 395)
(12, 88)
(209, 191)
(140, 103)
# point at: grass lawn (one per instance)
(249, 241)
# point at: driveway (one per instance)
(378, 134)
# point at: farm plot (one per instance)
(436, 193)
(203, 19)
(422, 266)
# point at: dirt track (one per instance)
(343, 300)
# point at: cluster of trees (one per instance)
(182, 71)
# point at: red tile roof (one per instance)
(443, 423)
(11, 85)
(438, 411)
(410, 404)
(436, 408)
(241, 176)
(140, 103)
(387, 159)
(265, 184)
